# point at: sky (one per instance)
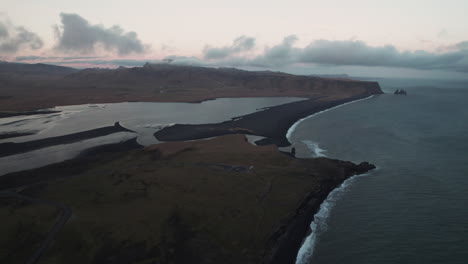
(360, 37)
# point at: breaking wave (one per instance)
(314, 148)
(319, 224)
(293, 127)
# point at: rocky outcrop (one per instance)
(284, 244)
(400, 92)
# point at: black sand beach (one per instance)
(83, 162)
(27, 113)
(272, 123)
(10, 148)
(15, 134)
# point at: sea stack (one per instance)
(400, 92)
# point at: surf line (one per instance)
(319, 224)
(294, 126)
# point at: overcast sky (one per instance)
(423, 36)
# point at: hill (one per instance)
(45, 86)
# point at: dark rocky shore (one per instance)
(285, 243)
(197, 212)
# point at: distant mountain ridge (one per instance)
(34, 69)
(336, 76)
(36, 86)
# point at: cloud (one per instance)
(442, 33)
(359, 53)
(40, 58)
(77, 36)
(14, 38)
(3, 31)
(184, 60)
(463, 46)
(109, 62)
(279, 55)
(354, 53)
(240, 44)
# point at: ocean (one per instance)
(414, 207)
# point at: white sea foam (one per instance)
(319, 224)
(314, 148)
(293, 127)
(156, 126)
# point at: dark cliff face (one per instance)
(284, 244)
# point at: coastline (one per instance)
(307, 248)
(288, 239)
(297, 232)
(285, 242)
(272, 123)
(278, 195)
(293, 127)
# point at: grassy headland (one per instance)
(212, 201)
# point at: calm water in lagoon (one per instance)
(144, 118)
(414, 208)
(141, 117)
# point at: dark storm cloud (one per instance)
(240, 44)
(77, 35)
(13, 38)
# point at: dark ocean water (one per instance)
(414, 207)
